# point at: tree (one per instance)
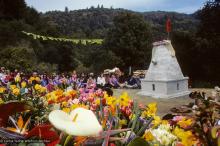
(130, 40)
(66, 10)
(209, 33)
(12, 9)
(209, 20)
(198, 52)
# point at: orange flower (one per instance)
(21, 128)
(185, 123)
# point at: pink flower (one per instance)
(75, 101)
(99, 93)
(177, 118)
(141, 106)
(91, 90)
(81, 90)
(93, 106)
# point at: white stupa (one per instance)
(164, 78)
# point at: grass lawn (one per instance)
(164, 105)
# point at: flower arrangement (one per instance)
(92, 117)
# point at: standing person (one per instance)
(100, 81)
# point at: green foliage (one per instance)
(130, 40)
(18, 57)
(95, 22)
(209, 22)
(198, 50)
(138, 142)
(12, 9)
(23, 58)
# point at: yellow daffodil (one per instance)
(187, 138)
(16, 91)
(148, 136)
(17, 78)
(43, 89)
(165, 122)
(156, 121)
(37, 79)
(13, 87)
(111, 101)
(124, 99)
(37, 87)
(184, 122)
(97, 101)
(105, 95)
(23, 84)
(66, 110)
(52, 96)
(71, 93)
(40, 88)
(150, 110)
(2, 89)
(74, 106)
(64, 104)
(58, 92)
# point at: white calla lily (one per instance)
(80, 122)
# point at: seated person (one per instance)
(100, 81)
(133, 82)
(114, 82)
(90, 83)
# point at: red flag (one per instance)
(168, 25)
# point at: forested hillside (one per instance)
(95, 22)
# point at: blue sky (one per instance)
(185, 6)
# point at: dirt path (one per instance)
(164, 105)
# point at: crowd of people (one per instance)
(73, 79)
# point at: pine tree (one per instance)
(12, 9)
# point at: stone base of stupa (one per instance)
(165, 89)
